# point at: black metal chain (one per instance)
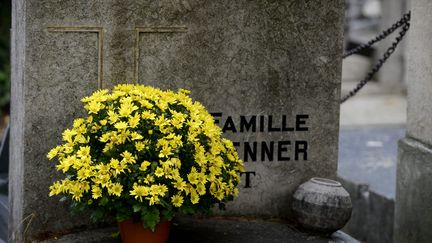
(404, 22)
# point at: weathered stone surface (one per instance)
(413, 210)
(217, 230)
(239, 58)
(419, 79)
(413, 217)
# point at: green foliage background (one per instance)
(5, 24)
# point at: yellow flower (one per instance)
(180, 185)
(94, 107)
(139, 191)
(193, 177)
(148, 115)
(81, 139)
(201, 189)
(84, 173)
(102, 179)
(139, 146)
(116, 166)
(68, 135)
(115, 189)
(102, 169)
(53, 152)
(96, 192)
(165, 152)
(194, 198)
(144, 165)
(145, 103)
(134, 120)
(154, 200)
(136, 136)
(177, 200)
(177, 119)
(121, 125)
(83, 152)
(159, 172)
(149, 179)
(158, 190)
(66, 163)
(128, 157)
(126, 109)
(55, 189)
(78, 122)
(112, 117)
(161, 121)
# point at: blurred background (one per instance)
(5, 23)
(371, 123)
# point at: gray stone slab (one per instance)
(419, 77)
(413, 217)
(413, 210)
(275, 60)
(368, 156)
(217, 230)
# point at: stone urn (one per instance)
(322, 205)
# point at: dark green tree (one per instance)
(5, 25)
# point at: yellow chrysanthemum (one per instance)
(140, 135)
(139, 191)
(144, 165)
(115, 189)
(159, 172)
(177, 200)
(96, 192)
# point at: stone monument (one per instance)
(413, 210)
(269, 71)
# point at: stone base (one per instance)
(413, 208)
(217, 230)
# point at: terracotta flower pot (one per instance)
(131, 232)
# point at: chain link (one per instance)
(404, 22)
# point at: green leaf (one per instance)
(187, 210)
(136, 208)
(97, 215)
(104, 201)
(63, 199)
(154, 165)
(168, 214)
(164, 203)
(150, 219)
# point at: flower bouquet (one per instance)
(145, 154)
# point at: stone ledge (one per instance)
(216, 230)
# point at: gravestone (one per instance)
(413, 214)
(269, 71)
